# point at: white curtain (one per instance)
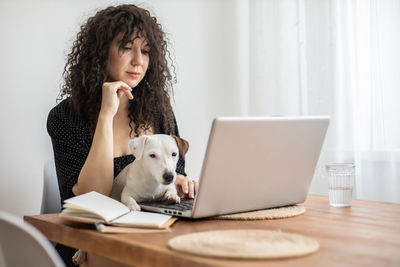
(339, 58)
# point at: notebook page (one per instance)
(142, 219)
(99, 204)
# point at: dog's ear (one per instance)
(183, 145)
(136, 145)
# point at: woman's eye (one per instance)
(153, 156)
(174, 154)
(146, 52)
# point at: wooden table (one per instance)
(367, 234)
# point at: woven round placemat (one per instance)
(245, 244)
(276, 213)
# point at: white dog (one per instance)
(152, 174)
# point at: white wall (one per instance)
(35, 39)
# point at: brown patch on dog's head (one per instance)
(183, 145)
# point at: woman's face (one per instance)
(130, 63)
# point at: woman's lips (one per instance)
(134, 75)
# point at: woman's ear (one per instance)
(136, 146)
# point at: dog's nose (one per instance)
(168, 177)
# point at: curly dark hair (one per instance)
(85, 70)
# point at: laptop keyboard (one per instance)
(186, 204)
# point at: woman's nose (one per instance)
(137, 57)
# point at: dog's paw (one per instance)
(79, 257)
(133, 205)
(130, 202)
(173, 198)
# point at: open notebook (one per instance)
(110, 215)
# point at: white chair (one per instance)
(51, 195)
(22, 245)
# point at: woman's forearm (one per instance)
(98, 171)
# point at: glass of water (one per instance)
(341, 183)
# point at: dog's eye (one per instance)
(174, 154)
(153, 156)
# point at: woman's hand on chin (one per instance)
(111, 96)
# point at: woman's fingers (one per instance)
(128, 93)
(114, 87)
(191, 188)
(122, 91)
(180, 192)
(186, 187)
(111, 95)
(126, 89)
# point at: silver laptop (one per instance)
(253, 163)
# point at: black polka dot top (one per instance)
(71, 138)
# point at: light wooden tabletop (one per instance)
(367, 234)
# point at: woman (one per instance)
(117, 83)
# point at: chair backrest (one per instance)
(51, 202)
(22, 245)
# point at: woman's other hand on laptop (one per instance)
(185, 186)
